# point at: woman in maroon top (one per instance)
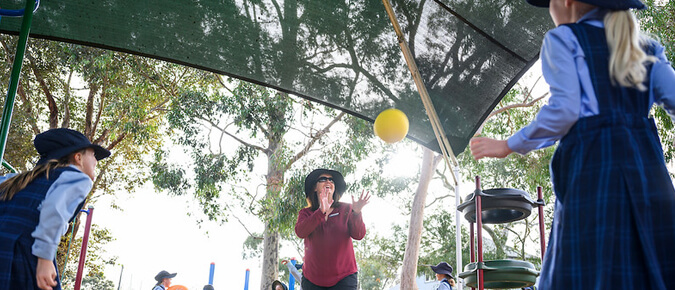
(328, 227)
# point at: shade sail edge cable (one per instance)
(436, 125)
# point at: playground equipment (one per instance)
(391, 125)
(291, 279)
(83, 251)
(212, 268)
(497, 206)
(248, 272)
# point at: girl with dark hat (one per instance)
(444, 274)
(163, 279)
(277, 285)
(328, 227)
(36, 207)
(614, 218)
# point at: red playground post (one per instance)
(83, 251)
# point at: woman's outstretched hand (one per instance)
(487, 147)
(358, 205)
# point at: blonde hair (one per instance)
(627, 58)
(18, 182)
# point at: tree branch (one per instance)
(234, 137)
(316, 137)
(53, 108)
(65, 123)
(506, 108)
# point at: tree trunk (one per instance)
(275, 177)
(270, 269)
(409, 271)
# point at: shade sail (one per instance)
(340, 53)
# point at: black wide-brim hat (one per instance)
(443, 268)
(163, 275)
(609, 4)
(58, 143)
(311, 179)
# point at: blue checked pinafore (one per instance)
(18, 219)
(614, 219)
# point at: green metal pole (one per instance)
(8, 166)
(14, 78)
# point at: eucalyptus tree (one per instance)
(116, 100)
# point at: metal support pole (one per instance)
(14, 77)
(473, 244)
(83, 251)
(120, 282)
(248, 272)
(542, 235)
(291, 279)
(458, 230)
(472, 250)
(479, 234)
(212, 269)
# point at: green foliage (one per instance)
(659, 21)
(96, 282)
(96, 259)
(379, 259)
(166, 176)
(252, 246)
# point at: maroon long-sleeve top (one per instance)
(329, 252)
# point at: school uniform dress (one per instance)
(444, 285)
(329, 252)
(33, 221)
(614, 218)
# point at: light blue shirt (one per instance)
(572, 95)
(444, 285)
(62, 199)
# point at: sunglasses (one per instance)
(324, 179)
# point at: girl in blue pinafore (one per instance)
(36, 206)
(614, 219)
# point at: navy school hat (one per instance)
(58, 143)
(609, 4)
(443, 268)
(164, 274)
(311, 179)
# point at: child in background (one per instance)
(444, 274)
(293, 269)
(276, 285)
(614, 218)
(36, 207)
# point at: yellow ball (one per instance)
(391, 125)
